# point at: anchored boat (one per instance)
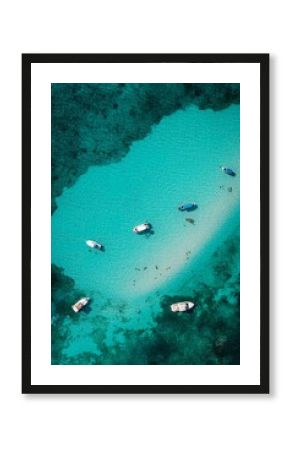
(187, 206)
(181, 306)
(142, 228)
(94, 244)
(80, 304)
(228, 171)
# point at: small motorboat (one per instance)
(228, 171)
(80, 304)
(187, 206)
(181, 306)
(142, 228)
(94, 244)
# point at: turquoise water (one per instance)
(177, 162)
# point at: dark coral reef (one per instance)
(63, 295)
(96, 123)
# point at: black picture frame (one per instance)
(27, 61)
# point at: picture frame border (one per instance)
(27, 60)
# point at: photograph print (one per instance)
(145, 223)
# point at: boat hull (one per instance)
(187, 206)
(94, 244)
(228, 171)
(80, 304)
(181, 306)
(143, 228)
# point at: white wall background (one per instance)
(127, 422)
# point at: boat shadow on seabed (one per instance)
(149, 233)
(86, 310)
(97, 250)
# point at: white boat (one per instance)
(142, 228)
(80, 304)
(94, 244)
(181, 306)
